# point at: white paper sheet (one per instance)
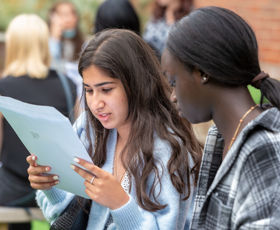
(49, 135)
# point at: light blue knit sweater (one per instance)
(130, 216)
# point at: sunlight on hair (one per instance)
(27, 50)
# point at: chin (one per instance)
(191, 118)
(107, 125)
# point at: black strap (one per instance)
(74, 217)
(68, 94)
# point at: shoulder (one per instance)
(4, 82)
(162, 148)
(12, 80)
(260, 157)
(265, 134)
(154, 27)
(262, 147)
(261, 136)
(259, 163)
(9, 82)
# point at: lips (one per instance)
(103, 116)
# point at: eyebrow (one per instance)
(100, 84)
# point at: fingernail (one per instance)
(72, 166)
(76, 160)
(56, 182)
(55, 177)
(33, 158)
(47, 169)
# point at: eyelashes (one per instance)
(104, 90)
(172, 82)
(88, 90)
(170, 78)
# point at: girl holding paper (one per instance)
(145, 157)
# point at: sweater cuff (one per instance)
(128, 216)
(54, 195)
(53, 202)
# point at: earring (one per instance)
(204, 78)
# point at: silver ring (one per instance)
(92, 179)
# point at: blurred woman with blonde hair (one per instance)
(27, 50)
(26, 77)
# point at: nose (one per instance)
(95, 103)
(173, 97)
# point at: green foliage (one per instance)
(40, 225)
(11, 8)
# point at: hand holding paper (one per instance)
(38, 176)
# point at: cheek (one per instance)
(88, 102)
(73, 20)
(87, 99)
(123, 107)
(181, 92)
(118, 104)
(173, 97)
(184, 98)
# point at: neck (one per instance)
(228, 111)
(123, 134)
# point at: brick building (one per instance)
(264, 17)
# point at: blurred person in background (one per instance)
(118, 14)
(66, 40)
(164, 14)
(26, 77)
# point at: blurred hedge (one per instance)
(10, 8)
(87, 9)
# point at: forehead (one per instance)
(64, 8)
(97, 75)
(164, 2)
(169, 63)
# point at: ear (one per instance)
(204, 77)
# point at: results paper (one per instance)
(49, 135)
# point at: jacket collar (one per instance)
(268, 120)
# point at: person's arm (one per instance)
(53, 202)
(258, 198)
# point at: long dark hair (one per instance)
(78, 39)
(221, 44)
(121, 15)
(124, 55)
(184, 9)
